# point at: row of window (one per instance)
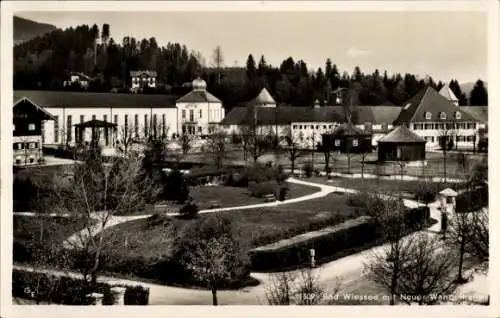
(25, 145)
(441, 126)
(200, 114)
(148, 122)
(312, 127)
(144, 79)
(458, 138)
(442, 115)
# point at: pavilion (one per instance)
(401, 144)
(102, 132)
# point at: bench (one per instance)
(269, 198)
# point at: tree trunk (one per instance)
(293, 167)
(362, 167)
(444, 165)
(214, 296)
(348, 163)
(461, 259)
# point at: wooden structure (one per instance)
(347, 138)
(102, 132)
(401, 144)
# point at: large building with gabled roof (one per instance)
(434, 117)
(137, 114)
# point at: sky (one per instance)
(444, 45)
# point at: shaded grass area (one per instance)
(226, 196)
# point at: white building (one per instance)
(199, 112)
(433, 116)
(141, 79)
(78, 78)
(137, 114)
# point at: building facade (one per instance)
(133, 114)
(142, 79)
(27, 135)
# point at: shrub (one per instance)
(295, 251)
(68, 290)
(262, 189)
(159, 219)
(473, 201)
(283, 192)
(189, 210)
(175, 187)
(308, 169)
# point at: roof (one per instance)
(348, 129)
(143, 72)
(480, 113)
(96, 100)
(429, 100)
(96, 123)
(448, 93)
(88, 78)
(23, 105)
(402, 134)
(198, 96)
(264, 98)
(448, 193)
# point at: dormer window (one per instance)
(458, 115)
(442, 115)
(428, 115)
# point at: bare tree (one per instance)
(426, 277)
(186, 141)
(216, 146)
(99, 191)
(218, 62)
(446, 143)
(126, 138)
(256, 141)
(293, 147)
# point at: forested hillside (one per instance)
(25, 30)
(45, 61)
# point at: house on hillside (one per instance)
(438, 120)
(401, 144)
(142, 79)
(77, 78)
(28, 134)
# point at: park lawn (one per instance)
(401, 186)
(225, 196)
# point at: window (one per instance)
(300, 126)
(69, 128)
(191, 115)
(136, 125)
(126, 124)
(93, 117)
(155, 124)
(82, 118)
(458, 115)
(317, 126)
(294, 126)
(354, 142)
(146, 128)
(442, 115)
(330, 126)
(31, 127)
(311, 127)
(200, 113)
(115, 119)
(449, 126)
(31, 145)
(105, 117)
(324, 126)
(199, 129)
(337, 142)
(42, 130)
(183, 114)
(385, 127)
(473, 126)
(428, 126)
(56, 129)
(428, 115)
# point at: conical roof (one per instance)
(264, 98)
(401, 134)
(448, 93)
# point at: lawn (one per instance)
(381, 185)
(225, 196)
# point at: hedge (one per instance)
(474, 201)
(67, 290)
(326, 242)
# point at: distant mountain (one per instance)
(25, 30)
(467, 87)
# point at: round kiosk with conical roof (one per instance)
(401, 144)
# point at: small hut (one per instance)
(347, 138)
(102, 132)
(401, 144)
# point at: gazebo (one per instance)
(401, 144)
(101, 131)
(347, 138)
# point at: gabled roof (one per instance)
(88, 78)
(480, 113)
(429, 100)
(448, 93)
(402, 134)
(24, 105)
(90, 100)
(198, 96)
(142, 72)
(348, 129)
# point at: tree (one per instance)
(216, 146)
(446, 143)
(105, 33)
(99, 191)
(426, 276)
(479, 95)
(455, 88)
(218, 62)
(251, 68)
(293, 147)
(126, 138)
(212, 250)
(186, 141)
(327, 151)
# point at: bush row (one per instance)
(67, 290)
